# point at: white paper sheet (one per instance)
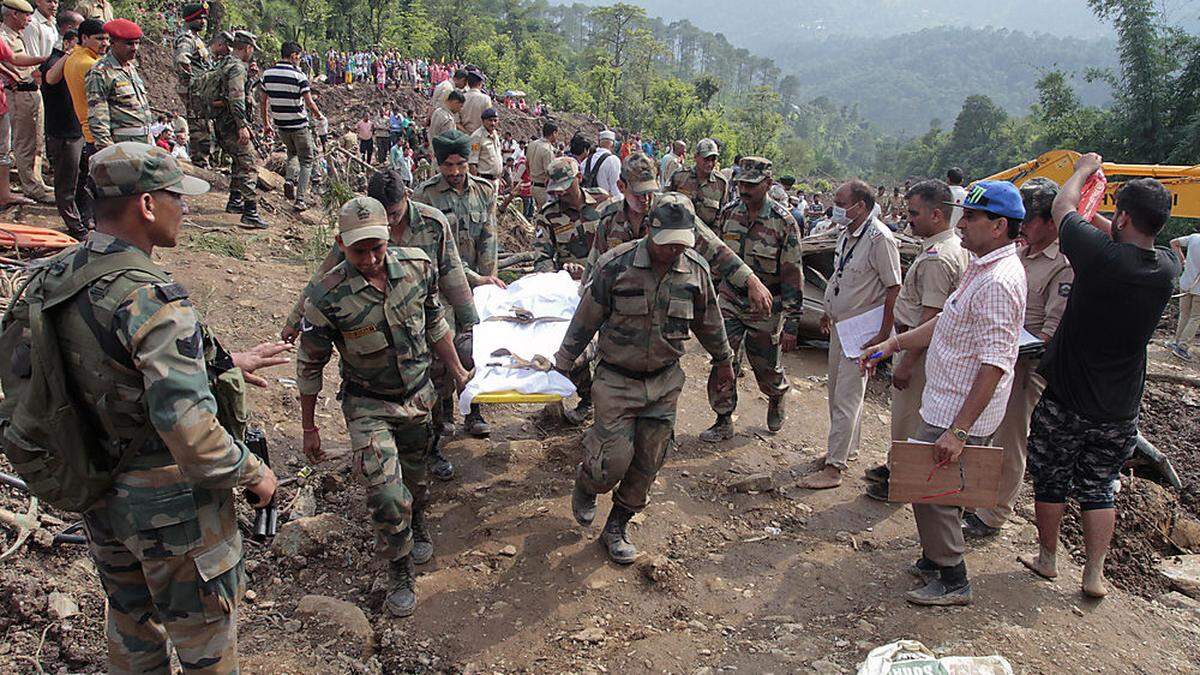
(1027, 339)
(857, 330)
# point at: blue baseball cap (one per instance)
(999, 197)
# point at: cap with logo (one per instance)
(673, 220)
(707, 147)
(19, 5)
(362, 218)
(998, 197)
(562, 172)
(638, 172)
(753, 170)
(488, 114)
(131, 168)
(607, 135)
(122, 29)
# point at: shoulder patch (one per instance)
(1064, 290)
(171, 292)
(875, 233)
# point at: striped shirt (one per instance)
(980, 324)
(285, 86)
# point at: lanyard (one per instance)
(844, 257)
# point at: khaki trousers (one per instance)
(906, 403)
(940, 527)
(1013, 436)
(847, 386)
(28, 141)
(1189, 319)
(539, 197)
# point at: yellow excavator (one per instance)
(1183, 182)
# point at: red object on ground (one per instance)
(16, 235)
(1092, 194)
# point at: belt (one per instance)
(25, 86)
(355, 389)
(636, 374)
(132, 131)
(541, 185)
(489, 176)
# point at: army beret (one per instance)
(193, 11)
(241, 38)
(453, 142)
(121, 29)
(488, 114)
(19, 5)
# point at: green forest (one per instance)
(673, 80)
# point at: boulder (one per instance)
(339, 619)
(269, 180)
(307, 536)
(759, 482)
(1177, 600)
(1184, 574)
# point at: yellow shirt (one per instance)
(79, 62)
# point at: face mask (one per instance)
(840, 217)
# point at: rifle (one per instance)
(265, 517)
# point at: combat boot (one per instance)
(447, 416)
(250, 217)
(583, 505)
(422, 550)
(439, 466)
(402, 601)
(235, 203)
(289, 190)
(475, 424)
(615, 538)
(721, 430)
(581, 412)
(776, 414)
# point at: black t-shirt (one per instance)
(56, 98)
(1095, 364)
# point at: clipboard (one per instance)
(916, 478)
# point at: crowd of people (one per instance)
(663, 246)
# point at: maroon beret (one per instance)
(123, 29)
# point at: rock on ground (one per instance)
(1184, 574)
(307, 536)
(341, 619)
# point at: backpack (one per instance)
(52, 441)
(593, 170)
(208, 87)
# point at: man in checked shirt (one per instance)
(969, 373)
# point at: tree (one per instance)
(706, 87)
(758, 123)
(976, 141)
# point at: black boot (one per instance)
(475, 424)
(439, 466)
(615, 539)
(776, 414)
(422, 550)
(402, 601)
(583, 505)
(581, 412)
(721, 430)
(250, 217)
(235, 203)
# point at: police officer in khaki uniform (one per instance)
(1048, 276)
(642, 301)
(707, 187)
(538, 154)
(25, 106)
(930, 279)
(866, 275)
(485, 147)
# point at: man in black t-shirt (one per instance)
(64, 137)
(1084, 428)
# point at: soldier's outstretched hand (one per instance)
(264, 355)
(264, 489)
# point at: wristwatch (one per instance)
(960, 434)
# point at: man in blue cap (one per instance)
(969, 373)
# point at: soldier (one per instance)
(380, 309)
(1049, 279)
(641, 302)
(27, 112)
(192, 56)
(469, 203)
(866, 275)
(232, 126)
(538, 155)
(164, 537)
(767, 238)
(118, 105)
(485, 148)
(220, 46)
(930, 280)
(703, 184)
(424, 227)
(567, 225)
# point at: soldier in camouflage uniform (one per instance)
(469, 203)
(566, 226)
(165, 537)
(191, 55)
(233, 129)
(766, 236)
(642, 300)
(380, 309)
(118, 106)
(424, 227)
(707, 187)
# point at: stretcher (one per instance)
(20, 236)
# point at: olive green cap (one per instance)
(562, 172)
(453, 142)
(132, 168)
(638, 172)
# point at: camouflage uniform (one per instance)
(564, 235)
(386, 393)
(708, 196)
(236, 112)
(472, 216)
(118, 106)
(165, 537)
(769, 242)
(191, 54)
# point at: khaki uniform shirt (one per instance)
(485, 152)
(472, 217)
(865, 265)
(101, 10)
(708, 197)
(471, 116)
(539, 154)
(931, 278)
(565, 235)
(118, 105)
(17, 45)
(440, 122)
(1048, 276)
(643, 322)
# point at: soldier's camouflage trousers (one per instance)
(170, 559)
(760, 339)
(242, 178)
(389, 455)
(199, 134)
(1072, 456)
(440, 374)
(633, 431)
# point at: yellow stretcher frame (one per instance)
(510, 396)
